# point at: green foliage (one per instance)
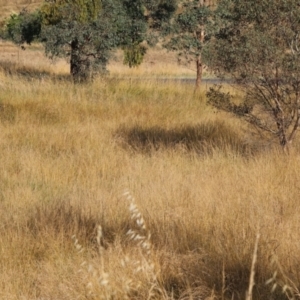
(88, 42)
(83, 11)
(188, 30)
(257, 44)
(23, 28)
(159, 12)
(134, 55)
(144, 21)
(135, 33)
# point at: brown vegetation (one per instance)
(203, 188)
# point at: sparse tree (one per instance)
(84, 30)
(188, 32)
(258, 46)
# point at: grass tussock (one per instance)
(202, 188)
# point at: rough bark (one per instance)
(80, 64)
(74, 61)
(199, 67)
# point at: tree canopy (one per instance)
(189, 32)
(257, 44)
(85, 31)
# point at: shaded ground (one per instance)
(12, 68)
(202, 138)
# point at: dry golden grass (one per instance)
(14, 6)
(158, 63)
(201, 185)
(33, 61)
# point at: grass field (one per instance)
(137, 157)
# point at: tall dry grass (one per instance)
(202, 188)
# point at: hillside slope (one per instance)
(9, 6)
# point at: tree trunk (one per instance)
(199, 64)
(80, 63)
(74, 61)
(199, 72)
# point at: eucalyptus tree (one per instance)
(84, 30)
(189, 32)
(257, 45)
(87, 31)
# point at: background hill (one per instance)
(9, 6)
